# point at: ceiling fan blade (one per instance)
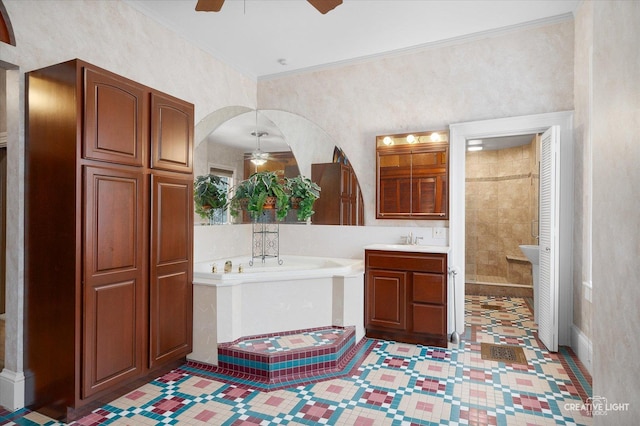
(325, 6)
(209, 5)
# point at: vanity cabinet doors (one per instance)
(386, 293)
(406, 296)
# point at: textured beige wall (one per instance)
(616, 203)
(501, 191)
(521, 72)
(582, 318)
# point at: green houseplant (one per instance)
(209, 194)
(303, 193)
(262, 190)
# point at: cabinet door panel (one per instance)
(114, 258)
(112, 342)
(429, 319)
(386, 299)
(171, 134)
(171, 269)
(429, 288)
(111, 99)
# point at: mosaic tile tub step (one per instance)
(276, 357)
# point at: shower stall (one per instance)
(502, 185)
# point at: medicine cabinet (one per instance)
(412, 174)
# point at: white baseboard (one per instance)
(12, 389)
(581, 346)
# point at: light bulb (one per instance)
(387, 140)
(411, 139)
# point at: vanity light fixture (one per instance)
(387, 140)
(474, 142)
(475, 148)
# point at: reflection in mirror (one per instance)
(291, 143)
(243, 145)
(412, 174)
(341, 201)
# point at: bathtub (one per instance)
(302, 292)
(283, 268)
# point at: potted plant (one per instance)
(262, 190)
(303, 193)
(209, 195)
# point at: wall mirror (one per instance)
(412, 174)
(228, 139)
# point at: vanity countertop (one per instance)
(409, 248)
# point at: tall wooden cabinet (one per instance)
(108, 235)
(340, 201)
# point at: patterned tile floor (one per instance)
(394, 384)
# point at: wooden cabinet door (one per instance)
(171, 134)
(114, 255)
(114, 126)
(171, 292)
(386, 302)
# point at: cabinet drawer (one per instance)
(406, 261)
(429, 319)
(429, 288)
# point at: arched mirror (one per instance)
(229, 139)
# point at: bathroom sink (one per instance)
(532, 252)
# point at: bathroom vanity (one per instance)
(406, 293)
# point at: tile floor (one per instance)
(387, 383)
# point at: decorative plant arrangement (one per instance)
(303, 193)
(262, 190)
(209, 195)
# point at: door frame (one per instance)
(511, 126)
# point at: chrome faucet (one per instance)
(411, 240)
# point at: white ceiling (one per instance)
(254, 36)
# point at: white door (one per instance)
(548, 285)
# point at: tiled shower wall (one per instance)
(501, 213)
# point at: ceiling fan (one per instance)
(259, 157)
(323, 6)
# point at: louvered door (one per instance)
(548, 285)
